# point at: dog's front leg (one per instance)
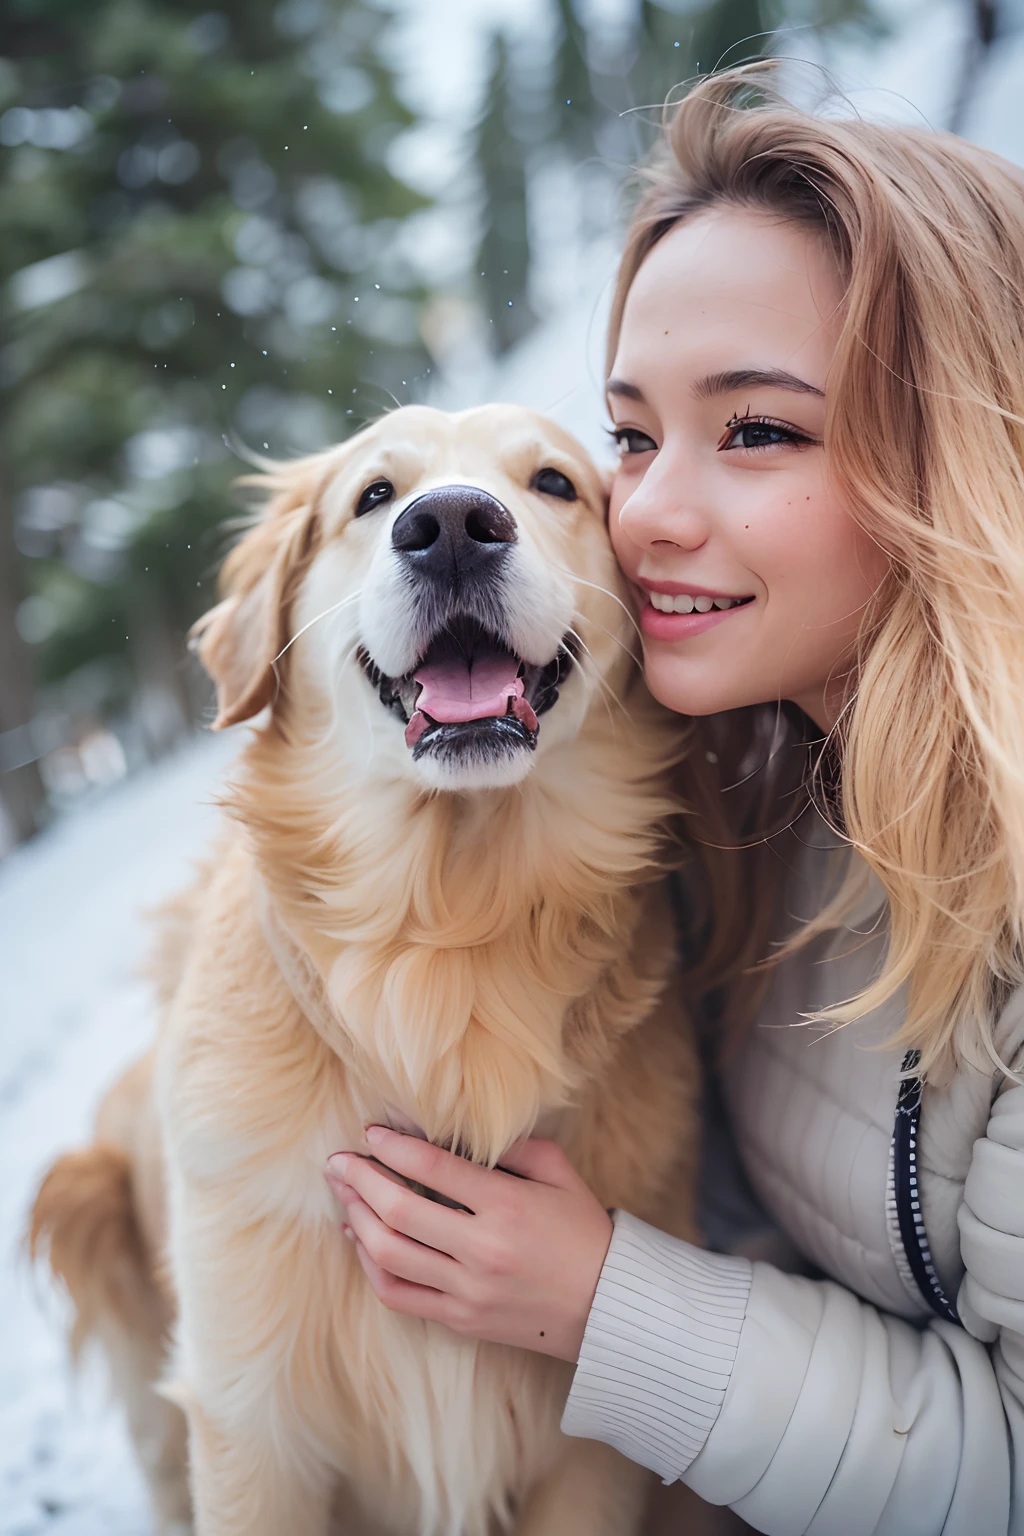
(590, 1491)
(244, 1368)
(248, 1485)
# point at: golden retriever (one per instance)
(438, 900)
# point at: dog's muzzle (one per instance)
(469, 693)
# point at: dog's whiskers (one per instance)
(344, 603)
(634, 658)
(596, 588)
(605, 686)
(334, 608)
(346, 657)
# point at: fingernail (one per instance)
(375, 1134)
(346, 1230)
(337, 1165)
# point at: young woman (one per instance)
(817, 385)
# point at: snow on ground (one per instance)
(73, 1012)
(72, 1009)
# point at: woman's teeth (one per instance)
(684, 603)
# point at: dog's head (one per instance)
(437, 594)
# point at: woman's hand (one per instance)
(519, 1267)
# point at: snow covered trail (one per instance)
(72, 1013)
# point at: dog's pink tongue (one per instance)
(459, 690)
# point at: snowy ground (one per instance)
(72, 1013)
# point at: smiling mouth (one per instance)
(470, 694)
(683, 602)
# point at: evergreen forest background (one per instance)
(208, 239)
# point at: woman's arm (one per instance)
(840, 1418)
(837, 1418)
(803, 1408)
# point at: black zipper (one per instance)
(908, 1193)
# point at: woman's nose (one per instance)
(663, 513)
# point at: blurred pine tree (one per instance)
(505, 240)
(198, 236)
(590, 93)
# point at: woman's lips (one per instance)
(680, 626)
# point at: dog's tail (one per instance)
(83, 1221)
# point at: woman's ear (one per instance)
(240, 640)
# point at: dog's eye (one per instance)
(551, 482)
(375, 495)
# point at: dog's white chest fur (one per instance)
(449, 1426)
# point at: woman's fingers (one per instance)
(450, 1175)
(543, 1161)
(402, 1295)
(402, 1209)
(399, 1256)
(520, 1271)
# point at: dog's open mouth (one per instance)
(470, 692)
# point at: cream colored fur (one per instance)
(491, 955)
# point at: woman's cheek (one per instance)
(819, 571)
(780, 535)
(823, 556)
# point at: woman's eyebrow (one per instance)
(627, 390)
(714, 384)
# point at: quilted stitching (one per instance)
(812, 1114)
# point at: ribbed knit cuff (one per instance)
(659, 1348)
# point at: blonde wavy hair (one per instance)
(925, 442)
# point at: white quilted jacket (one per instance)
(838, 1404)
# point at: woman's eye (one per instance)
(630, 440)
(761, 432)
(375, 495)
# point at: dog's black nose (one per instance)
(454, 531)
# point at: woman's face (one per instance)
(752, 575)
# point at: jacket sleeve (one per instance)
(804, 1408)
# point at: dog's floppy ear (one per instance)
(239, 641)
